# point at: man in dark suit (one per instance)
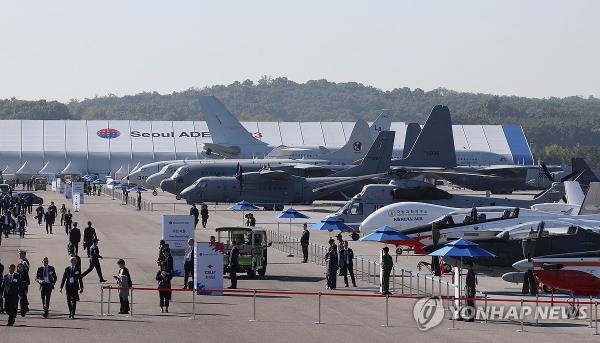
(74, 284)
(195, 213)
(234, 255)
(304, 242)
(10, 290)
(95, 258)
(188, 263)
(347, 264)
(46, 277)
(168, 259)
(75, 238)
(1, 279)
(68, 222)
(89, 234)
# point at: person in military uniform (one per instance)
(233, 266)
(73, 282)
(195, 213)
(387, 265)
(95, 258)
(46, 277)
(470, 290)
(23, 289)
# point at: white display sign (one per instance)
(208, 268)
(77, 188)
(176, 230)
(60, 185)
(54, 186)
(76, 202)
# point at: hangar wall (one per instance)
(103, 146)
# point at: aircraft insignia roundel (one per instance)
(357, 146)
(108, 133)
(257, 135)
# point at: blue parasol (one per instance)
(386, 234)
(330, 224)
(291, 214)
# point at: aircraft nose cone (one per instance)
(168, 185)
(523, 265)
(187, 193)
(151, 180)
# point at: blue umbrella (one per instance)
(136, 189)
(98, 182)
(462, 248)
(122, 186)
(291, 214)
(330, 224)
(115, 184)
(243, 206)
(386, 234)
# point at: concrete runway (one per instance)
(133, 236)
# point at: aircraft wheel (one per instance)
(262, 271)
(178, 197)
(154, 192)
(399, 251)
(355, 236)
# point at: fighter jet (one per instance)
(232, 140)
(273, 188)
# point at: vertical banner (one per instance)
(208, 267)
(77, 188)
(68, 191)
(76, 202)
(60, 185)
(54, 185)
(176, 230)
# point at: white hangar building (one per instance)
(117, 146)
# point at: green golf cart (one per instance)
(252, 244)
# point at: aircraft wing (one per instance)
(408, 172)
(223, 150)
(309, 167)
(341, 183)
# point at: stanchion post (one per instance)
(485, 306)
(108, 310)
(522, 318)
(590, 311)
(402, 280)
(253, 306)
(410, 284)
(131, 303)
(193, 303)
(101, 300)
(319, 309)
(369, 271)
(387, 316)
(596, 315)
(362, 269)
(537, 319)
(394, 279)
(418, 286)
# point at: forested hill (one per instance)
(557, 127)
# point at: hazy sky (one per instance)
(77, 49)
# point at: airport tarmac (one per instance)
(134, 235)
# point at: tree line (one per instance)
(557, 128)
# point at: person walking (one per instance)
(46, 278)
(63, 211)
(304, 242)
(163, 276)
(53, 212)
(387, 265)
(68, 221)
(470, 292)
(204, 215)
(73, 281)
(139, 201)
(332, 265)
(89, 235)
(233, 265)
(75, 238)
(250, 220)
(39, 214)
(23, 289)
(1, 280)
(347, 264)
(21, 225)
(188, 264)
(195, 213)
(10, 291)
(48, 221)
(95, 258)
(124, 282)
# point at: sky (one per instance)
(62, 50)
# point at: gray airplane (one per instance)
(273, 188)
(334, 161)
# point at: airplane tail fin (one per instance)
(377, 159)
(434, 147)
(382, 123)
(412, 132)
(579, 164)
(573, 192)
(591, 203)
(358, 144)
(224, 127)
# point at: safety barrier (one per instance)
(593, 318)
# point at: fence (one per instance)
(593, 317)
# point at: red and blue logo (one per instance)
(108, 133)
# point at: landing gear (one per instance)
(355, 236)
(178, 197)
(154, 192)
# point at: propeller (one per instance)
(547, 172)
(529, 245)
(239, 175)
